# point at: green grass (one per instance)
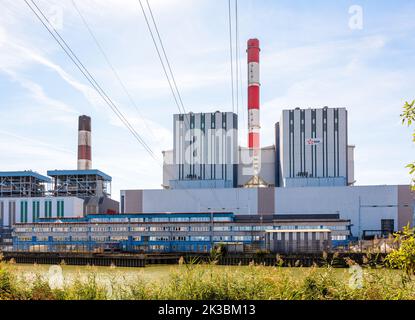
(201, 282)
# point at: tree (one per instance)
(404, 257)
(408, 117)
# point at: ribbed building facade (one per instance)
(205, 151)
(313, 147)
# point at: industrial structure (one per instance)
(205, 151)
(172, 232)
(26, 196)
(313, 148)
(297, 195)
(22, 184)
(84, 143)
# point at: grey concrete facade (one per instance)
(365, 206)
(313, 146)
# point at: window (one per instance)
(221, 238)
(140, 229)
(99, 229)
(60, 239)
(118, 229)
(199, 219)
(61, 209)
(199, 229)
(1, 213)
(35, 210)
(220, 228)
(76, 238)
(387, 225)
(118, 238)
(122, 204)
(48, 209)
(41, 229)
(99, 239)
(79, 229)
(12, 213)
(200, 238)
(23, 211)
(25, 238)
(60, 229)
(242, 238)
(339, 238)
(159, 238)
(222, 219)
(21, 230)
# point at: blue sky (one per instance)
(310, 58)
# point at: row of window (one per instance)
(278, 236)
(161, 219)
(36, 210)
(170, 228)
(138, 238)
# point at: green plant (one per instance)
(404, 257)
(408, 116)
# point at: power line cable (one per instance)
(181, 107)
(114, 71)
(94, 84)
(237, 57)
(165, 56)
(239, 67)
(231, 52)
(88, 75)
(161, 59)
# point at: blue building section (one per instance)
(92, 172)
(159, 232)
(4, 174)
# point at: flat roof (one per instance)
(55, 173)
(298, 230)
(27, 173)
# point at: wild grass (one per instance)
(210, 282)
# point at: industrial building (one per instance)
(313, 148)
(22, 184)
(368, 207)
(27, 196)
(205, 151)
(170, 232)
(295, 241)
(308, 170)
(299, 194)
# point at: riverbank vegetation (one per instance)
(208, 281)
(394, 279)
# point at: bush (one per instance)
(404, 257)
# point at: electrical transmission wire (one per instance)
(231, 53)
(239, 68)
(69, 52)
(114, 71)
(165, 56)
(176, 98)
(237, 57)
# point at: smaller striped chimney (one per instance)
(84, 143)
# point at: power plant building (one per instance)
(215, 190)
(313, 148)
(205, 151)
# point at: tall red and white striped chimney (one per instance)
(84, 143)
(253, 100)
